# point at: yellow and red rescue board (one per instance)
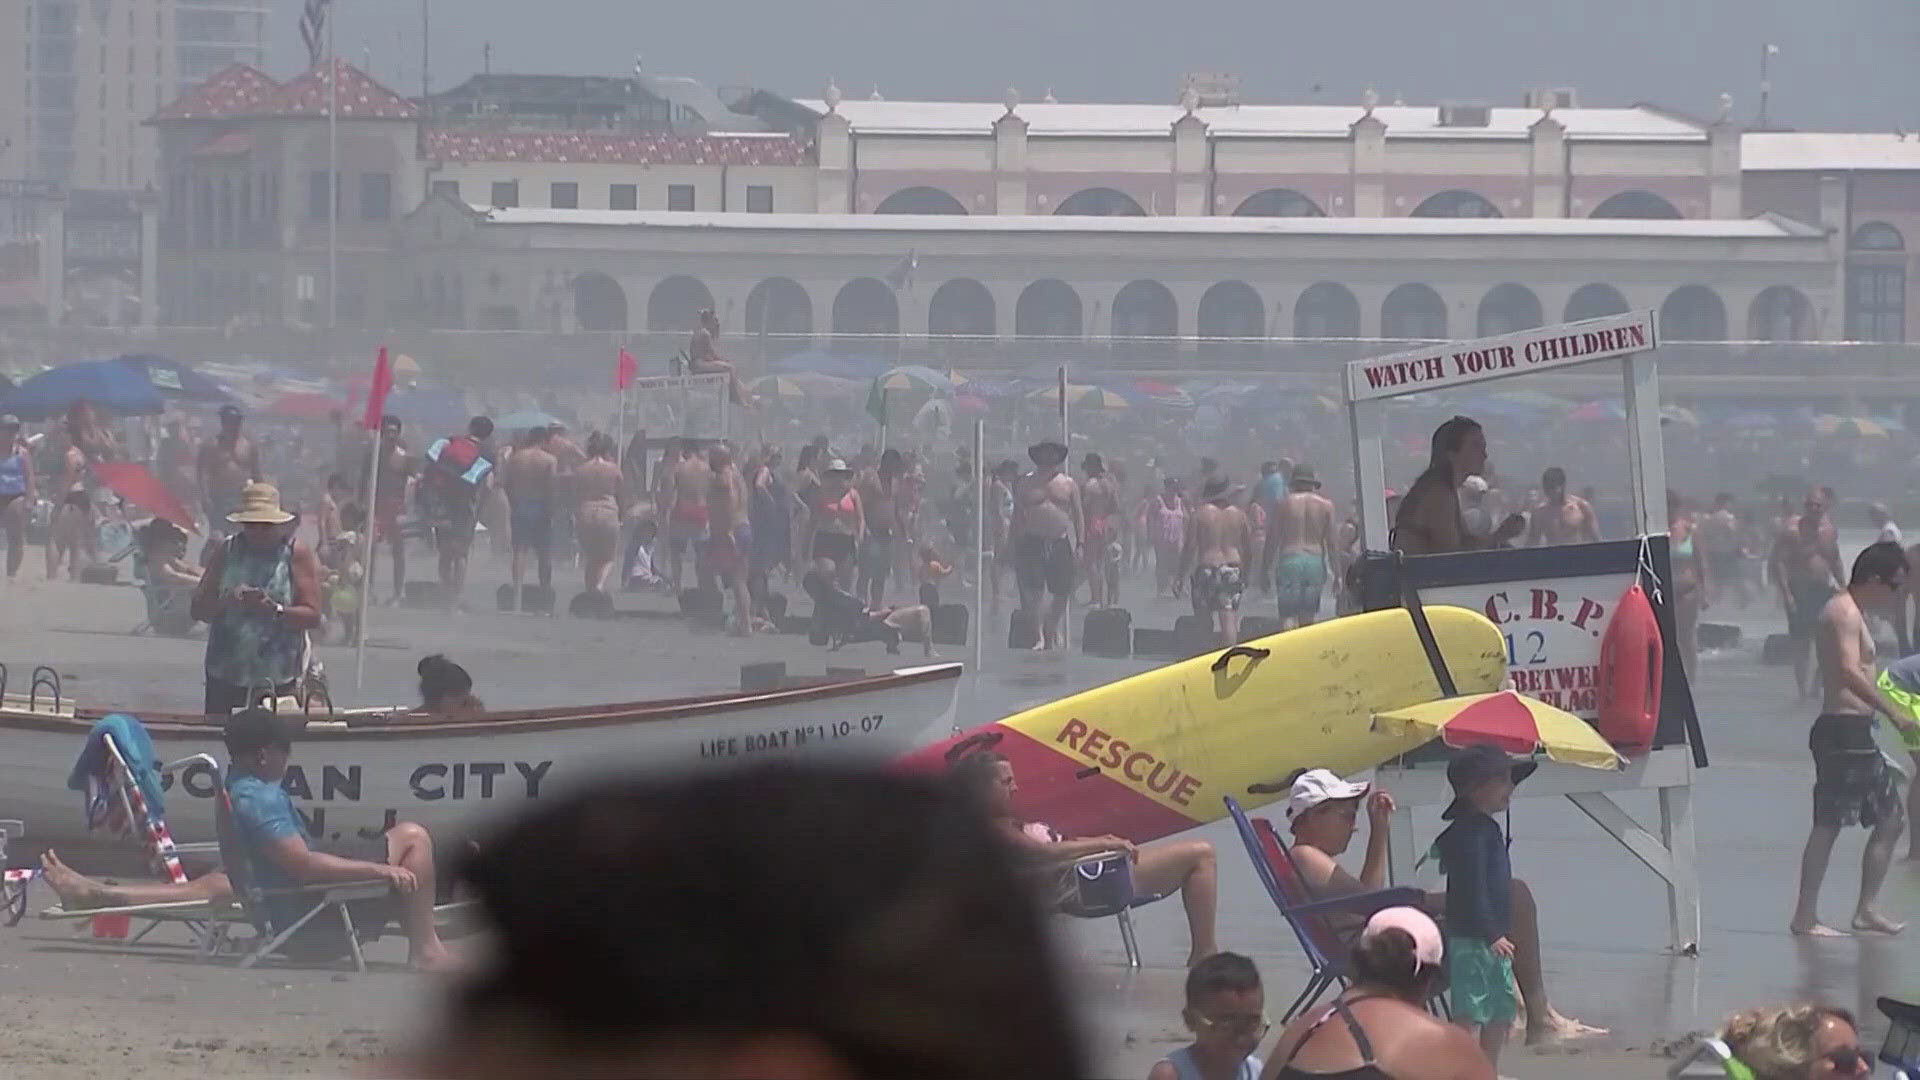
(1151, 755)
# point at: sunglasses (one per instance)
(1848, 1060)
(1257, 1026)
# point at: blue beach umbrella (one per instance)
(118, 388)
(176, 380)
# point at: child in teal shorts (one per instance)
(1473, 855)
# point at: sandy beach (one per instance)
(77, 1008)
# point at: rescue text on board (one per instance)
(1138, 766)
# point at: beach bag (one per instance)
(1101, 885)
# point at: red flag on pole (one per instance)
(627, 371)
(377, 392)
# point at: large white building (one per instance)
(872, 220)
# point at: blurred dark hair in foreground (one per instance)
(772, 921)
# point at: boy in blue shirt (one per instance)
(1227, 1013)
(275, 849)
(1473, 855)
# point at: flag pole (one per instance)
(368, 546)
(1066, 618)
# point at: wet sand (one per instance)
(74, 1010)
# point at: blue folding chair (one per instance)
(1307, 916)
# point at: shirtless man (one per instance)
(1219, 538)
(1853, 783)
(530, 480)
(881, 497)
(703, 358)
(1720, 541)
(395, 492)
(1806, 572)
(1046, 524)
(728, 538)
(1428, 521)
(1303, 534)
(685, 496)
(1100, 547)
(571, 456)
(1562, 518)
(225, 465)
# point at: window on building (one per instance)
(623, 197)
(376, 196)
(564, 195)
(1876, 302)
(317, 195)
(680, 197)
(759, 198)
(506, 193)
(449, 188)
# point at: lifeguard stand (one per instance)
(1553, 604)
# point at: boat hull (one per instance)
(353, 779)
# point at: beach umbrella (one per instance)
(1849, 425)
(1164, 394)
(1507, 720)
(913, 378)
(1679, 414)
(525, 419)
(1083, 397)
(131, 481)
(117, 388)
(784, 388)
(303, 406)
(175, 380)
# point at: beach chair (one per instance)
(13, 880)
(1106, 892)
(1902, 1046)
(1310, 918)
(325, 899)
(1711, 1060)
(117, 803)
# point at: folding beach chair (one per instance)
(324, 899)
(1310, 919)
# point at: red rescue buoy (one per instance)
(1630, 666)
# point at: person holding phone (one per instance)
(259, 596)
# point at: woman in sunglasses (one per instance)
(1800, 1042)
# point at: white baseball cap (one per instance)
(1315, 786)
(1476, 485)
(1428, 949)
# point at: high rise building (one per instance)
(78, 78)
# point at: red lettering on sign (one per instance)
(1588, 612)
(1072, 734)
(1115, 751)
(1127, 769)
(1546, 605)
(1183, 791)
(1138, 766)
(1636, 336)
(1095, 740)
(1496, 609)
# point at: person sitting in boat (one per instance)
(1322, 812)
(271, 838)
(1187, 866)
(841, 618)
(446, 690)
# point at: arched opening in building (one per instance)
(1145, 321)
(1414, 312)
(1637, 204)
(1278, 202)
(866, 319)
(1047, 308)
(920, 200)
(676, 303)
(1693, 313)
(1457, 204)
(1594, 301)
(1877, 284)
(1326, 310)
(1507, 308)
(599, 303)
(961, 308)
(1099, 202)
(1231, 321)
(779, 317)
(1780, 313)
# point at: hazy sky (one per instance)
(1843, 64)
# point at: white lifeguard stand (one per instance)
(1667, 769)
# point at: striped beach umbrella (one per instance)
(1507, 720)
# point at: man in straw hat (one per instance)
(1219, 536)
(1302, 533)
(259, 597)
(1046, 527)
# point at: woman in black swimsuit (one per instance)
(1384, 1031)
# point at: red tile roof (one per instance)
(237, 90)
(597, 148)
(241, 91)
(226, 145)
(361, 98)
